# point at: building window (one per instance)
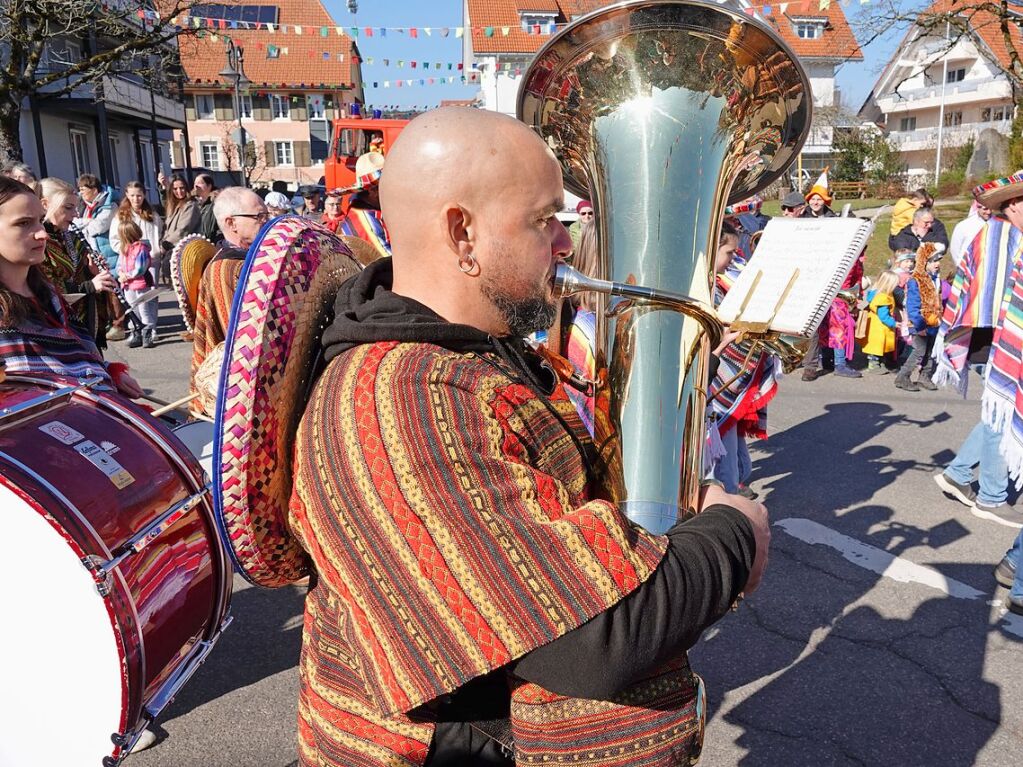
(284, 153)
(907, 123)
(262, 14)
(994, 114)
(319, 141)
(80, 151)
(115, 152)
(537, 19)
(317, 106)
(953, 119)
(280, 107)
(209, 153)
(955, 75)
(204, 106)
(246, 106)
(809, 30)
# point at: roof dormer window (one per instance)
(533, 19)
(809, 29)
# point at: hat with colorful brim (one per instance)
(996, 193)
(749, 205)
(283, 302)
(188, 261)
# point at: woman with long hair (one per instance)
(183, 219)
(38, 334)
(67, 265)
(135, 208)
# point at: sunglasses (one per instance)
(587, 213)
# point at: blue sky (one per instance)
(855, 79)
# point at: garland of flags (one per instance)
(184, 21)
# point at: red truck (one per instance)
(351, 138)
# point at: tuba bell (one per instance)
(661, 112)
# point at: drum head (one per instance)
(188, 260)
(286, 288)
(197, 436)
(62, 657)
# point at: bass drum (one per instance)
(119, 585)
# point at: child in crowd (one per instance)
(902, 264)
(880, 338)
(133, 272)
(923, 307)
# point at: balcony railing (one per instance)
(925, 138)
(129, 93)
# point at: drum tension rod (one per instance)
(101, 572)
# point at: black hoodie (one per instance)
(707, 562)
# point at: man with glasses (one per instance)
(575, 231)
(241, 215)
(333, 216)
(792, 205)
(918, 232)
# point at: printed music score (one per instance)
(794, 275)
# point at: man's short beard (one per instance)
(522, 316)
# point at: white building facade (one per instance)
(931, 82)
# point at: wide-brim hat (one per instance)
(996, 193)
(368, 169)
(284, 299)
(188, 261)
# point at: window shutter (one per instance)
(271, 155)
(223, 107)
(190, 113)
(178, 159)
(298, 108)
(302, 154)
(261, 108)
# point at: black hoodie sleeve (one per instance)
(707, 563)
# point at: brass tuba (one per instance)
(661, 112)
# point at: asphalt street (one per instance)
(878, 636)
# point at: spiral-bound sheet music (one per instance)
(796, 272)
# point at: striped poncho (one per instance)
(982, 282)
(51, 343)
(367, 224)
(1003, 386)
(745, 381)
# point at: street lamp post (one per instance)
(235, 72)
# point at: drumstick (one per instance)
(167, 407)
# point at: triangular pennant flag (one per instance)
(326, 55)
(783, 7)
(824, 4)
(353, 31)
(505, 31)
(459, 31)
(368, 31)
(428, 31)
(460, 66)
(387, 62)
(413, 32)
(370, 61)
(340, 31)
(383, 31)
(767, 10)
(298, 30)
(413, 65)
(400, 63)
(444, 31)
(323, 31)
(488, 31)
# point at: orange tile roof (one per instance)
(838, 40)
(304, 63)
(984, 23)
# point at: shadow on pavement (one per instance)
(844, 684)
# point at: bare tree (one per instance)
(953, 20)
(49, 48)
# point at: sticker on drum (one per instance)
(62, 432)
(99, 458)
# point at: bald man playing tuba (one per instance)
(478, 600)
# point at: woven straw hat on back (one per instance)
(285, 294)
(188, 260)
